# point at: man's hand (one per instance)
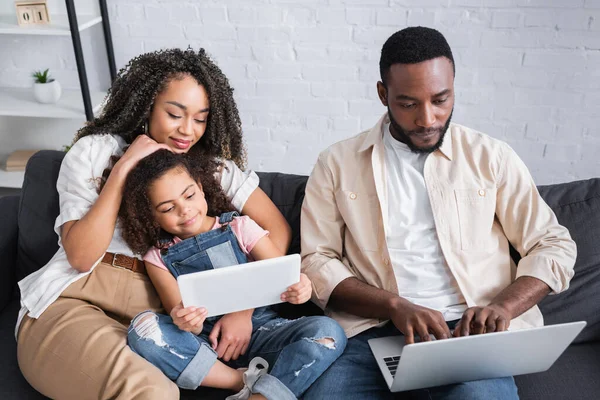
(411, 319)
(478, 320)
(189, 319)
(230, 336)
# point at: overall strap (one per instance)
(227, 217)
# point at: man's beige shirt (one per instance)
(482, 196)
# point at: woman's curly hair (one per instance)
(139, 227)
(132, 95)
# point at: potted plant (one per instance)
(45, 88)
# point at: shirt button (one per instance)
(352, 196)
(386, 262)
(481, 192)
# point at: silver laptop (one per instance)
(240, 287)
(492, 355)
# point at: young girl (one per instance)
(180, 219)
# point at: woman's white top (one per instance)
(77, 186)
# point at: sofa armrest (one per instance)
(9, 208)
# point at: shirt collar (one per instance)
(446, 147)
(375, 136)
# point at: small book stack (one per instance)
(17, 160)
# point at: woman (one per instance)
(72, 328)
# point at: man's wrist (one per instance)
(504, 308)
(394, 304)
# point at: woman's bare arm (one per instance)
(86, 240)
(261, 209)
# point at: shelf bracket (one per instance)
(83, 81)
(108, 40)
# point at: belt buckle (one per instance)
(115, 259)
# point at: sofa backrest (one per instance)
(287, 192)
(577, 207)
(38, 210)
(576, 204)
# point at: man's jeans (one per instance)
(356, 375)
(290, 347)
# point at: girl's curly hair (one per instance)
(131, 98)
(139, 227)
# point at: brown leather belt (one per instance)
(123, 261)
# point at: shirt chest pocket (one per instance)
(361, 213)
(476, 212)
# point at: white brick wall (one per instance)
(528, 71)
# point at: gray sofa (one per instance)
(27, 242)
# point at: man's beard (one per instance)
(404, 136)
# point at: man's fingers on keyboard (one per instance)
(409, 337)
(423, 332)
(501, 325)
(441, 332)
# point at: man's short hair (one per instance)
(413, 45)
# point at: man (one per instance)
(406, 229)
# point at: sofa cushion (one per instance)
(287, 192)
(577, 207)
(8, 246)
(12, 383)
(573, 376)
(38, 211)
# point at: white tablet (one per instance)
(240, 287)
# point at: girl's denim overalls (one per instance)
(290, 346)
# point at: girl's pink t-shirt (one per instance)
(247, 232)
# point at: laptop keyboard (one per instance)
(392, 364)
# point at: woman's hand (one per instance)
(142, 146)
(231, 335)
(189, 319)
(298, 293)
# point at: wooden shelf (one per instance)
(12, 180)
(58, 27)
(19, 102)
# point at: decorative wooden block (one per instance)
(32, 12)
(17, 160)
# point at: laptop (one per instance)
(469, 358)
(240, 287)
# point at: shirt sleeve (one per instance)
(322, 235)
(247, 232)
(237, 184)
(153, 257)
(547, 250)
(79, 174)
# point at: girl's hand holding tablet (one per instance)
(189, 319)
(298, 293)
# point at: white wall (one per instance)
(528, 71)
(20, 55)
